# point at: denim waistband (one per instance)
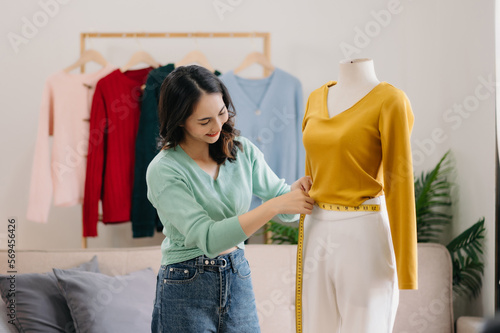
(221, 262)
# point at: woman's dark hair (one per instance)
(179, 93)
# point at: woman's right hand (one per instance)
(294, 202)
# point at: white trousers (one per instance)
(350, 282)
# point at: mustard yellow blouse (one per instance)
(364, 152)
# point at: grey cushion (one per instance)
(101, 303)
(40, 306)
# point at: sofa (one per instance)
(428, 309)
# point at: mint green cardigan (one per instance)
(200, 214)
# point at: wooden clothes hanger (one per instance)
(255, 58)
(87, 56)
(195, 56)
(138, 58)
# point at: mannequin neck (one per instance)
(357, 73)
(356, 79)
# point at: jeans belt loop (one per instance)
(233, 266)
(199, 263)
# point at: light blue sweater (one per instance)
(200, 214)
(269, 113)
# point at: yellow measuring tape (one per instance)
(298, 277)
(300, 249)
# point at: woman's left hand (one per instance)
(303, 184)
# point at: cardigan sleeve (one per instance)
(95, 163)
(41, 188)
(265, 183)
(395, 125)
(176, 204)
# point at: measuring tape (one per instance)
(298, 277)
(300, 249)
(340, 208)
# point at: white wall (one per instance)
(438, 52)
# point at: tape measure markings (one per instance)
(298, 277)
(340, 208)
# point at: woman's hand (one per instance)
(303, 184)
(294, 202)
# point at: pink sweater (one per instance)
(60, 172)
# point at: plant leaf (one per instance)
(466, 251)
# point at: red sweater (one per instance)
(114, 119)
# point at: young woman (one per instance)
(201, 184)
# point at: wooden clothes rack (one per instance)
(265, 36)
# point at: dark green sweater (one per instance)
(144, 217)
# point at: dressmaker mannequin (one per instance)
(360, 155)
(356, 79)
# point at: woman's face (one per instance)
(205, 123)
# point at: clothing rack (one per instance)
(265, 36)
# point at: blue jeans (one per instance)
(206, 295)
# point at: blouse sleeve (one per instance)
(40, 194)
(396, 122)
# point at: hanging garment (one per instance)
(269, 112)
(110, 164)
(60, 174)
(362, 153)
(144, 217)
